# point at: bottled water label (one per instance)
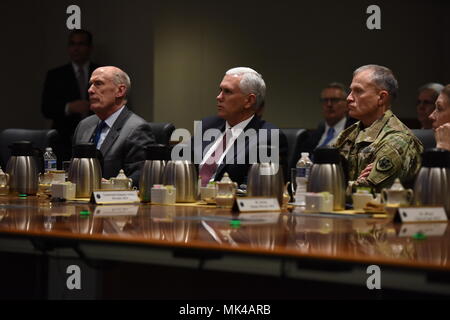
(49, 165)
(303, 172)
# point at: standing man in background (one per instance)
(65, 97)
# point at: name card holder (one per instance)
(420, 214)
(116, 210)
(114, 197)
(427, 229)
(256, 204)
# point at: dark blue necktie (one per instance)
(98, 131)
(329, 137)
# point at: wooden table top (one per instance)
(287, 234)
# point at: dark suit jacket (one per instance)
(60, 87)
(123, 147)
(310, 139)
(238, 172)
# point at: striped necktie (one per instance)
(209, 167)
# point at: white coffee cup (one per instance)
(360, 200)
(208, 194)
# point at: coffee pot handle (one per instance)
(384, 196)
(409, 195)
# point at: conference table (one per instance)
(79, 250)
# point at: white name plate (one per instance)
(115, 197)
(260, 218)
(257, 204)
(422, 214)
(428, 229)
(110, 211)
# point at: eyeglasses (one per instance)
(332, 100)
(424, 102)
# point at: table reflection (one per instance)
(318, 236)
(287, 232)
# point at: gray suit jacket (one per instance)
(123, 147)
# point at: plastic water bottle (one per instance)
(49, 160)
(303, 166)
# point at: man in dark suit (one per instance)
(65, 98)
(335, 110)
(240, 135)
(118, 133)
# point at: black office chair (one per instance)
(293, 135)
(162, 131)
(40, 139)
(426, 136)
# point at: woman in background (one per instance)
(441, 119)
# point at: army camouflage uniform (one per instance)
(388, 144)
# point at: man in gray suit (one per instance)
(118, 133)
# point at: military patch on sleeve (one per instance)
(384, 164)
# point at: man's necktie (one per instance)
(209, 167)
(328, 138)
(98, 132)
(82, 83)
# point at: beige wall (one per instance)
(36, 34)
(298, 48)
(176, 51)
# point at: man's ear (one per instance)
(121, 91)
(384, 97)
(251, 101)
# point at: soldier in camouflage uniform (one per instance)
(379, 147)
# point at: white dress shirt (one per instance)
(338, 128)
(109, 123)
(235, 132)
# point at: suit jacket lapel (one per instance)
(114, 131)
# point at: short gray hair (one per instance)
(120, 77)
(337, 85)
(433, 86)
(382, 77)
(251, 82)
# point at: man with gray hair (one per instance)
(242, 93)
(428, 94)
(379, 147)
(118, 133)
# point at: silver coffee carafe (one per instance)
(432, 185)
(22, 169)
(327, 175)
(183, 175)
(85, 170)
(265, 180)
(153, 170)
